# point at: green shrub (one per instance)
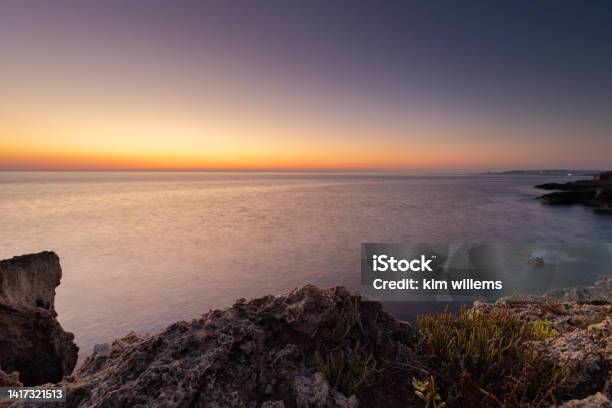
(487, 358)
(543, 330)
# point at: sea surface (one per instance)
(142, 250)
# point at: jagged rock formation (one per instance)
(32, 342)
(309, 348)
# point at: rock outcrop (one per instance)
(319, 348)
(595, 193)
(600, 292)
(581, 340)
(309, 348)
(32, 342)
(597, 400)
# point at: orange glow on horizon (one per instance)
(64, 138)
(321, 160)
(114, 161)
(132, 136)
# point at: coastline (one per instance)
(318, 347)
(595, 193)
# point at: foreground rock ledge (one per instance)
(32, 342)
(309, 348)
(277, 351)
(268, 352)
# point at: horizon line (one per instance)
(296, 170)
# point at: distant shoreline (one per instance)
(560, 172)
(553, 173)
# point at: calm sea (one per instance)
(142, 250)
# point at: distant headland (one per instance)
(549, 172)
(596, 192)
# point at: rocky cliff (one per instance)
(325, 348)
(32, 342)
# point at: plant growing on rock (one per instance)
(427, 392)
(488, 358)
(344, 320)
(586, 322)
(348, 362)
(348, 369)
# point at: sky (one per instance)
(418, 86)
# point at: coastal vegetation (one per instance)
(348, 369)
(489, 356)
(544, 329)
(585, 322)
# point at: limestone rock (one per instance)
(600, 292)
(30, 280)
(268, 352)
(583, 344)
(597, 400)
(32, 342)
